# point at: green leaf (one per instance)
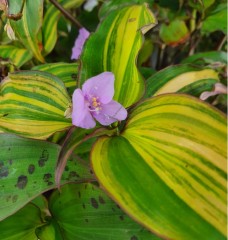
(49, 27)
(168, 169)
(174, 78)
(207, 58)
(22, 225)
(175, 33)
(27, 29)
(33, 104)
(217, 20)
(18, 56)
(114, 47)
(67, 72)
(83, 211)
(27, 169)
(110, 5)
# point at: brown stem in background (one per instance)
(223, 40)
(66, 14)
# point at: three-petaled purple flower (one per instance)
(94, 101)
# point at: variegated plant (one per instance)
(165, 166)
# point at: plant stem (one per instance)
(66, 14)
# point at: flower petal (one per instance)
(81, 116)
(101, 86)
(79, 43)
(111, 112)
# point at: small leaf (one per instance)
(175, 33)
(18, 56)
(119, 38)
(33, 104)
(174, 78)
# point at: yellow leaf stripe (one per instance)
(119, 38)
(33, 104)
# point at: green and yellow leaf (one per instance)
(33, 104)
(50, 23)
(27, 29)
(18, 56)
(168, 168)
(174, 78)
(119, 38)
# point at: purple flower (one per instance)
(94, 101)
(79, 43)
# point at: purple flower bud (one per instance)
(79, 43)
(94, 101)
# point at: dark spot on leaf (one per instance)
(131, 19)
(121, 218)
(9, 147)
(47, 176)
(14, 198)
(31, 169)
(118, 206)
(74, 76)
(22, 182)
(10, 161)
(113, 209)
(73, 174)
(4, 172)
(8, 198)
(86, 186)
(91, 171)
(86, 220)
(134, 238)
(83, 205)
(79, 194)
(101, 200)
(43, 158)
(66, 168)
(94, 202)
(41, 163)
(50, 183)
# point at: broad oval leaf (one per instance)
(168, 169)
(28, 28)
(83, 211)
(33, 104)
(114, 47)
(174, 78)
(27, 169)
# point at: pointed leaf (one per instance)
(114, 47)
(51, 20)
(27, 29)
(18, 56)
(33, 104)
(168, 169)
(174, 78)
